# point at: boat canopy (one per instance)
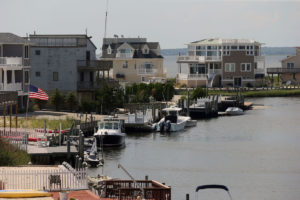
(202, 187)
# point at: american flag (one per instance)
(37, 93)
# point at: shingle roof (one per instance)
(9, 38)
(137, 46)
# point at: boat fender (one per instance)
(168, 125)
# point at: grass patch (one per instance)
(33, 122)
(11, 155)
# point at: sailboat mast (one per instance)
(105, 28)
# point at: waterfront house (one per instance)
(67, 62)
(134, 59)
(289, 70)
(222, 62)
(15, 66)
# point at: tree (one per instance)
(198, 92)
(57, 99)
(40, 103)
(168, 91)
(71, 101)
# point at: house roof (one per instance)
(83, 36)
(288, 58)
(10, 38)
(137, 46)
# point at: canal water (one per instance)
(257, 155)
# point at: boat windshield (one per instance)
(173, 113)
(116, 126)
(108, 125)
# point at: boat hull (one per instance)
(110, 140)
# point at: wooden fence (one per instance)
(43, 178)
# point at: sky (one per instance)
(173, 23)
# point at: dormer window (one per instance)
(109, 50)
(146, 51)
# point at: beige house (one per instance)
(290, 68)
(217, 62)
(134, 59)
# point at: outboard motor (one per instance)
(168, 126)
(162, 126)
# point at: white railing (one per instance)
(43, 178)
(124, 55)
(259, 70)
(147, 70)
(11, 61)
(215, 71)
(198, 58)
(259, 58)
(11, 86)
(192, 76)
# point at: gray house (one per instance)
(66, 62)
(15, 66)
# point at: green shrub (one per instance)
(197, 93)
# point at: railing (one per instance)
(46, 178)
(259, 71)
(192, 76)
(11, 86)
(147, 71)
(11, 61)
(282, 70)
(94, 64)
(259, 58)
(124, 55)
(198, 58)
(215, 71)
(87, 85)
(125, 189)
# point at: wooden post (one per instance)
(10, 116)
(4, 116)
(16, 115)
(188, 103)
(45, 129)
(59, 136)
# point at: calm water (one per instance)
(172, 67)
(256, 155)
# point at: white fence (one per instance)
(43, 178)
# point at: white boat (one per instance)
(234, 111)
(92, 158)
(138, 122)
(109, 133)
(172, 121)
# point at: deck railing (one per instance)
(44, 178)
(280, 70)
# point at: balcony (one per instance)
(259, 71)
(280, 70)
(146, 71)
(198, 59)
(94, 65)
(215, 71)
(87, 85)
(192, 76)
(14, 62)
(11, 87)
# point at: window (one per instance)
(246, 67)
(37, 74)
(234, 47)
(55, 76)
(201, 47)
(18, 76)
(9, 76)
(26, 76)
(249, 53)
(125, 64)
(26, 52)
(81, 76)
(88, 55)
(134, 65)
(143, 79)
(242, 47)
(146, 51)
(200, 53)
(109, 50)
(290, 65)
(37, 52)
(229, 67)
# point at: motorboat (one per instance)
(92, 158)
(109, 133)
(138, 122)
(234, 111)
(172, 121)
